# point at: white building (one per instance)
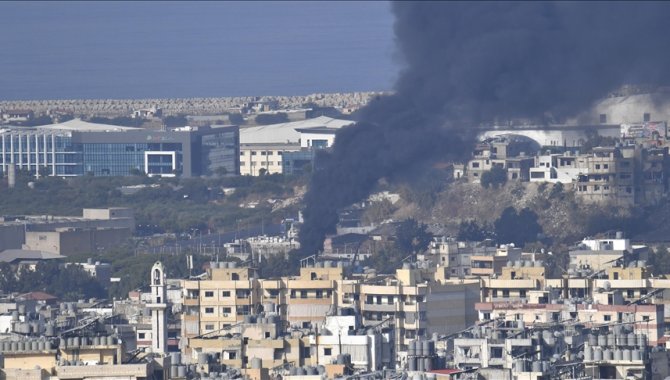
(262, 147)
(555, 168)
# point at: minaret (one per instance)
(157, 306)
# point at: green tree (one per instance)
(385, 260)
(472, 231)
(221, 171)
(518, 228)
(495, 177)
(659, 261)
(412, 237)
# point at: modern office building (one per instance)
(75, 148)
(285, 148)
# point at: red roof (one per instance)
(446, 371)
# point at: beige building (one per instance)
(227, 300)
(489, 263)
(415, 303)
(254, 157)
(92, 357)
(224, 297)
(73, 241)
(608, 177)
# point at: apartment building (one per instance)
(603, 253)
(457, 255)
(221, 299)
(608, 176)
(412, 303)
(487, 263)
(415, 303)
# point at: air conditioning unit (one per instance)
(225, 314)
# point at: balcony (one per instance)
(379, 307)
(191, 301)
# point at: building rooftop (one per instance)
(286, 132)
(14, 255)
(79, 125)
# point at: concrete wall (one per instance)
(78, 241)
(11, 236)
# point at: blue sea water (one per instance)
(56, 50)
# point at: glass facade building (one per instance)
(187, 151)
(296, 162)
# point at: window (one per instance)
(235, 277)
(267, 335)
(647, 116)
(496, 352)
(603, 118)
(242, 163)
(209, 310)
(505, 293)
(522, 293)
(607, 318)
(225, 293)
(597, 166)
(263, 153)
(327, 351)
(475, 164)
(303, 294)
(319, 294)
(209, 327)
(606, 166)
(209, 294)
(241, 153)
(645, 318)
(141, 335)
(226, 310)
(232, 355)
(253, 153)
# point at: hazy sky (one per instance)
(191, 49)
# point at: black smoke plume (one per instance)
(468, 63)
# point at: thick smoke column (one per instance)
(475, 62)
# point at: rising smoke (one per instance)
(482, 62)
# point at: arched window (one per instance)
(157, 276)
